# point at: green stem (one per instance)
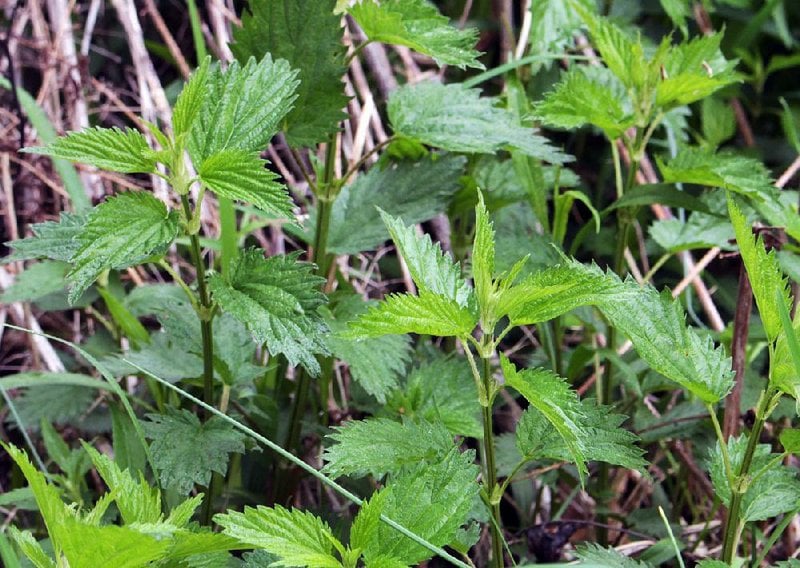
(490, 469)
(734, 525)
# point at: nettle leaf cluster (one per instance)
(249, 332)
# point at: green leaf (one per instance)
(790, 440)
(241, 174)
(678, 11)
(578, 100)
(136, 500)
(112, 149)
(308, 35)
(30, 548)
(378, 446)
(297, 538)
(440, 391)
(377, 363)
(694, 70)
(431, 269)
(37, 281)
(431, 500)
(763, 270)
(127, 323)
(412, 190)
(277, 299)
(594, 555)
(719, 121)
(426, 314)
(551, 395)
(51, 239)
(458, 119)
(191, 100)
(417, 24)
(553, 24)
(243, 107)
(121, 232)
(63, 403)
(483, 263)
(186, 452)
(663, 193)
(121, 547)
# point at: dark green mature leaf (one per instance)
(412, 190)
(121, 232)
(458, 119)
(186, 452)
(433, 501)
(419, 25)
(431, 269)
(36, 281)
(552, 396)
(308, 35)
(553, 24)
(426, 314)
(59, 404)
(242, 175)
(243, 107)
(663, 193)
(578, 100)
(440, 391)
(376, 363)
(790, 440)
(51, 239)
(112, 149)
(699, 231)
(297, 538)
(763, 271)
(277, 299)
(378, 446)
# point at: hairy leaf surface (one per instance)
(56, 240)
(277, 299)
(308, 35)
(297, 538)
(419, 25)
(121, 232)
(458, 119)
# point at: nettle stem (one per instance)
(489, 465)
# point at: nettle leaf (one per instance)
(121, 547)
(36, 281)
(667, 344)
(555, 291)
(419, 25)
(186, 451)
(458, 119)
(773, 492)
(295, 537)
(123, 231)
(790, 440)
(578, 100)
(240, 174)
(426, 314)
(594, 555)
(308, 35)
(377, 363)
(433, 501)
(136, 500)
(243, 107)
(377, 446)
(432, 270)
(277, 299)
(552, 396)
(694, 70)
(30, 548)
(483, 261)
(125, 151)
(191, 100)
(412, 190)
(763, 271)
(56, 240)
(553, 24)
(440, 391)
